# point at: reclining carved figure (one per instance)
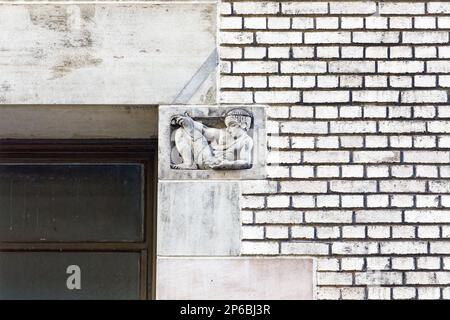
(201, 147)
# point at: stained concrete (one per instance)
(198, 218)
(258, 133)
(106, 53)
(78, 122)
(235, 278)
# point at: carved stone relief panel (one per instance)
(218, 142)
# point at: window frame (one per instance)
(142, 151)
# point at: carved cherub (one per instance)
(201, 147)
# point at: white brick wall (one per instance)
(359, 139)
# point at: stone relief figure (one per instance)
(203, 147)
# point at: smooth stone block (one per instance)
(204, 113)
(235, 279)
(198, 218)
(108, 53)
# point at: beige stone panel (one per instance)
(107, 53)
(78, 122)
(235, 278)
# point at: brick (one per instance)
(402, 201)
(354, 232)
(328, 232)
(334, 278)
(353, 126)
(352, 52)
(328, 216)
(236, 37)
(255, 67)
(303, 52)
(401, 8)
(327, 52)
(440, 247)
(400, 66)
(426, 156)
(230, 53)
(302, 23)
(377, 201)
(402, 186)
(255, 81)
(231, 82)
(428, 293)
(327, 37)
(304, 248)
(279, 81)
(375, 216)
(255, 23)
(429, 263)
(279, 23)
(302, 142)
(352, 66)
(327, 171)
(328, 293)
(376, 37)
(375, 96)
(303, 81)
(353, 293)
(277, 232)
(258, 186)
(403, 232)
(284, 157)
(403, 293)
(424, 37)
(326, 156)
(304, 127)
(327, 23)
(439, 186)
(252, 232)
(352, 7)
(378, 232)
(352, 264)
(423, 96)
(298, 8)
(400, 22)
(378, 293)
(392, 126)
(279, 37)
(303, 186)
(403, 247)
(277, 96)
(278, 217)
(231, 23)
(253, 247)
(236, 97)
(376, 22)
(425, 22)
(356, 186)
(426, 277)
(376, 52)
(438, 7)
(256, 7)
(254, 53)
(354, 248)
(438, 66)
(378, 263)
(402, 263)
(252, 202)
(278, 52)
(302, 232)
(302, 172)
(376, 156)
(352, 22)
(325, 96)
(327, 264)
(400, 52)
(303, 67)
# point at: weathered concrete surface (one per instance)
(258, 133)
(105, 53)
(235, 278)
(198, 218)
(78, 122)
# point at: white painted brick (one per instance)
(279, 37)
(277, 172)
(277, 232)
(427, 201)
(298, 8)
(400, 112)
(302, 232)
(302, 172)
(352, 264)
(236, 97)
(303, 52)
(225, 67)
(231, 82)
(279, 81)
(325, 96)
(378, 293)
(375, 216)
(352, 201)
(255, 67)
(354, 248)
(354, 232)
(278, 142)
(255, 23)
(376, 37)
(279, 23)
(225, 8)
(439, 126)
(376, 22)
(378, 232)
(425, 37)
(253, 247)
(328, 293)
(327, 264)
(328, 232)
(392, 126)
(302, 23)
(376, 81)
(258, 186)
(352, 22)
(374, 111)
(352, 7)
(247, 216)
(403, 293)
(351, 142)
(401, 8)
(326, 112)
(352, 66)
(438, 7)
(256, 7)
(327, 37)
(426, 156)
(377, 171)
(439, 247)
(400, 52)
(303, 67)
(278, 112)
(424, 111)
(353, 186)
(403, 232)
(376, 142)
(236, 37)
(230, 53)
(378, 263)
(254, 53)
(353, 293)
(438, 66)
(377, 200)
(327, 23)
(352, 52)
(400, 141)
(252, 202)
(304, 127)
(402, 263)
(303, 186)
(402, 201)
(303, 201)
(350, 112)
(426, 171)
(276, 217)
(278, 201)
(284, 157)
(252, 232)
(376, 52)
(400, 22)
(429, 263)
(428, 293)
(402, 186)
(231, 23)
(402, 171)
(427, 216)
(425, 52)
(375, 96)
(425, 22)
(304, 248)
(334, 278)
(327, 52)
(302, 142)
(400, 81)
(326, 156)
(327, 171)
(327, 201)
(328, 216)
(427, 277)
(277, 96)
(327, 142)
(255, 81)
(444, 52)
(403, 247)
(443, 22)
(376, 156)
(303, 81)
(278, 52)
(400, 66)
